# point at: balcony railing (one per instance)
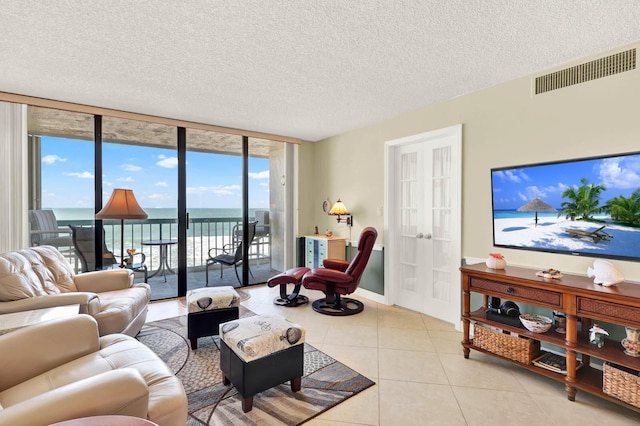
(203, 234)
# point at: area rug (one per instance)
(326, 382)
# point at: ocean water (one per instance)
(161, 224)
(514, 214)
(69, 214)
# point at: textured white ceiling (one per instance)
(302, 68)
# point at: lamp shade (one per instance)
(122, 205)
(339, 208)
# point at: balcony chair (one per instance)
(45, 230)
(231, 253)
(84, 242)
(263, 229)
(340, 277)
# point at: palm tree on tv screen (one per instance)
(625, 210)
(584, 201)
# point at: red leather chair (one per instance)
(341, 277)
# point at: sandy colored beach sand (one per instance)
(551, 233)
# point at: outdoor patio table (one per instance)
(163, 266)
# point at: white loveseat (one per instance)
(61, 370)
(40, 277)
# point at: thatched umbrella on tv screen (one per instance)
(536, 205)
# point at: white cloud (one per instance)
(158, 197)
(125, 179)
(162, 184)
(81, 175)
(215, 190)
(52, 159)
(260, 175)
(167, 162)
(515, 176)
(620, 173)
(263, 184)
(131, 168)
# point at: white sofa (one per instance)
(60, 370)
(40, 277)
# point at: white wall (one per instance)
(502, 125)
(13, 171)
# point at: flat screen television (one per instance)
(581, 207)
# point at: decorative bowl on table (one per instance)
(536, 323)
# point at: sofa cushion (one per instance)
(119, 308)
(117, 351)
(36, 271)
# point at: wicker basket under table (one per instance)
(516, 348)
(621, 384)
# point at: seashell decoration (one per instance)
(603, 272)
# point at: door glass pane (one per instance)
(61, 181)
(214, 204)
(267, 208)
(142, 157)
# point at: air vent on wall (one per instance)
(598, 68)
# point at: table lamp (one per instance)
(122, 205)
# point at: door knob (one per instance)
(419, 235)
(427, 236)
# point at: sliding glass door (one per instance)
(61, 180)
(142, 157)
(205, 194)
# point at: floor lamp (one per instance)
(122, 205)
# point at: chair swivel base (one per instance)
(341, 307)
(293, 299)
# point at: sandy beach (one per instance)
(551, 234)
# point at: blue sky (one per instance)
(213, 181)
(516, 186)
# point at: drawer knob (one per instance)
(510, 290)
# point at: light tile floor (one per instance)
(421, 375)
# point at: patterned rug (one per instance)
(326, 382)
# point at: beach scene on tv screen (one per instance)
(589, 207)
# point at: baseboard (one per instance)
(379, 298)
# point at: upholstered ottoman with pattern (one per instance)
(260, 352)
(208, 308)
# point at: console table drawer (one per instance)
(613, 312)
(540, 297)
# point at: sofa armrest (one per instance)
(30, 351)
(101, 281)
(89, 303)
(116, 392)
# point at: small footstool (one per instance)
(260, 352)
(291, 276)
(208, 308)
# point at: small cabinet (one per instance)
(322, 247)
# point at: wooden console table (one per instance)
(579, 298)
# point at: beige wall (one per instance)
(502, 125)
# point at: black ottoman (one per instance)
(260, 352)
(208, 308)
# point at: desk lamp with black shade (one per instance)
(122, 205)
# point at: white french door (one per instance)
(423, 223)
